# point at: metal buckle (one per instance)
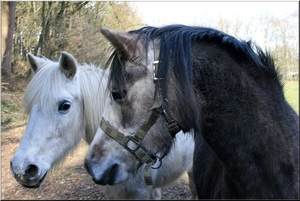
(154, 70)
(131, 144)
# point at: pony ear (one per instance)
(67, 64)
(35, 62)
(124, 42)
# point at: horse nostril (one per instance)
(31, 171)
(118, 94)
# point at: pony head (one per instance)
(132, 95)
(53, 101)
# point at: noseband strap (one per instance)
(133, 142)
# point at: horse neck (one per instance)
(93, 83)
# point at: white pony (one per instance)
(65, 102)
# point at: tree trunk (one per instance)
(8, 11)
(4, 13)
(44, 39)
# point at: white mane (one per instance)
(93, 82)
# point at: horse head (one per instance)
(133, 112)
(53, 101)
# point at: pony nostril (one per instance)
(111, 174)
(114, 169)
(118, 94)
(31, 171)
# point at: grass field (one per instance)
(291, 92)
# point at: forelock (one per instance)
(43, 88)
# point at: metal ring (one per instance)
(160, 162)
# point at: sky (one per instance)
(207, 13)
(159, 13)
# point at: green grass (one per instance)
(11, 111)
(291, 92)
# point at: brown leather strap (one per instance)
(128, 142)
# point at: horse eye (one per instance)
(118, 94)
(64, 106)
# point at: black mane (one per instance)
(178, 39)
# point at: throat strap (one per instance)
(140, 134)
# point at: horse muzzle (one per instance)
(30, 176)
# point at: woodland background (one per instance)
(48, 27)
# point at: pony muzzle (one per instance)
(29, 177)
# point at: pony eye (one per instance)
(64, 106)
(118, 95)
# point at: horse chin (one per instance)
(31, 182)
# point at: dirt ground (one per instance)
(69, 181)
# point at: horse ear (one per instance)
(35, 62)
(123, 42)
(67, 64)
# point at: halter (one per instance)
(133, 142)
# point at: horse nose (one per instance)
(28, 176)
(108, 176)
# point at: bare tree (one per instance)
(277, 35)
(8, 11)
(84, 38)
